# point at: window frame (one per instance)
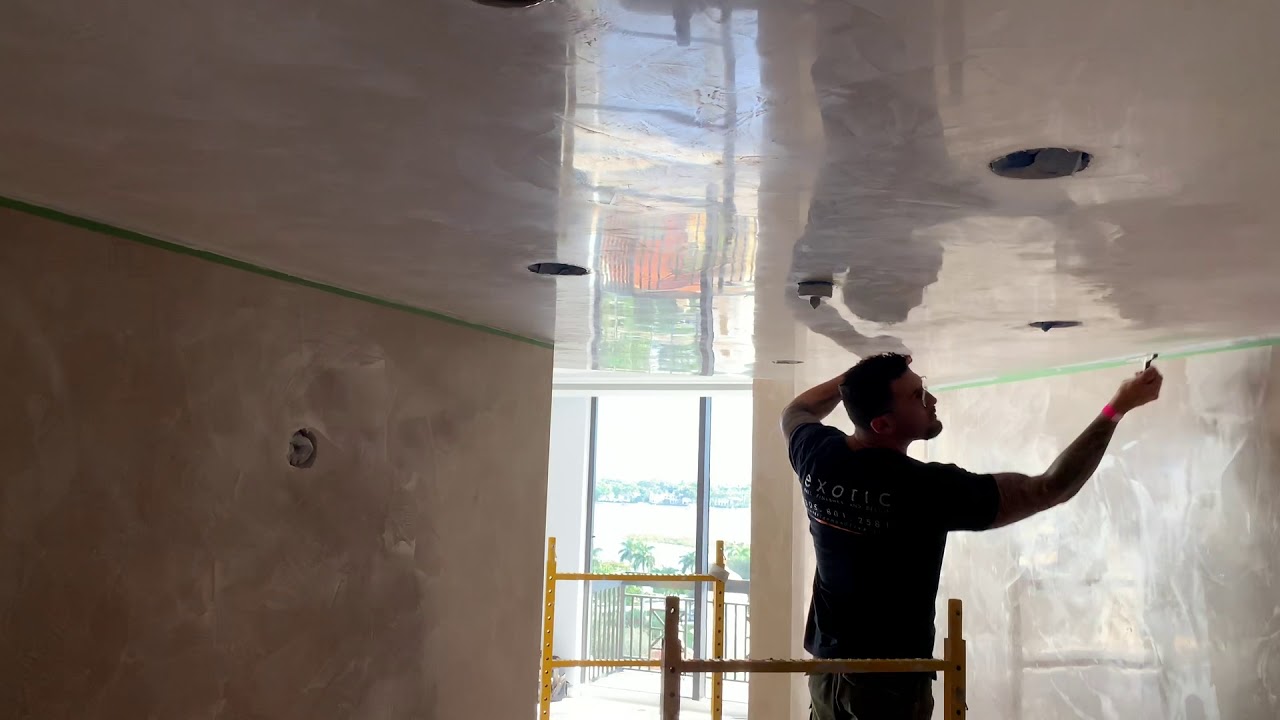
(702, 507)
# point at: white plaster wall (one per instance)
(567, 516)
(1153, 594)
(779, 544)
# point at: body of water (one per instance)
(615, 521)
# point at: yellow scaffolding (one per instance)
(952, 665)
(718, 576)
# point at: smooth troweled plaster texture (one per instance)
(1154, 593)
(160, 559)
(427, 152)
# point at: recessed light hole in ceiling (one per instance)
(509, 4)
(1041, 163)
(556, 268)
(1047, 325)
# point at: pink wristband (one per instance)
(1110, 413)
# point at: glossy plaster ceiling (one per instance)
(701, 157)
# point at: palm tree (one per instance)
(688, 561)
(738, 558)
(638, 553)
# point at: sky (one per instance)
(656, 438)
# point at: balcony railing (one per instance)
(625, 622)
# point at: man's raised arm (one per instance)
(811, 406)
(1023, 496)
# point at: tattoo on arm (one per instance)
(1022, 496)
(793, 416)
(811, 406)
(1076, 464)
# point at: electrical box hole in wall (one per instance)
(302, 449)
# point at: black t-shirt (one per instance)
(879, 522)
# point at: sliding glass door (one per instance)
(670, 475)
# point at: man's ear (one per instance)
(881, 425)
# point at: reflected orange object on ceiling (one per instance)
(669, 258)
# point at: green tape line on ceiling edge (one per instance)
(132, 236)
(1246, 344)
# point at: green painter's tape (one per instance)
(1107, 364)
(132, 236)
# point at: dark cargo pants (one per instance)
(870, 697)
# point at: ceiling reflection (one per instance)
(722, 153)
(662, 298)
(701, 157)
(665, 145)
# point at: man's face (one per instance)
(914, 413)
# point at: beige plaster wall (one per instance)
(158, 556)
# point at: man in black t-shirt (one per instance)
(879, 521)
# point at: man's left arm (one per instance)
(811, 406)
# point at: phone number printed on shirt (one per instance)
(846, 507)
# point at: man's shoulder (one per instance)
(814, 429)
(814, 439)
(814, 434)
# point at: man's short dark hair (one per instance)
(866, 390)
